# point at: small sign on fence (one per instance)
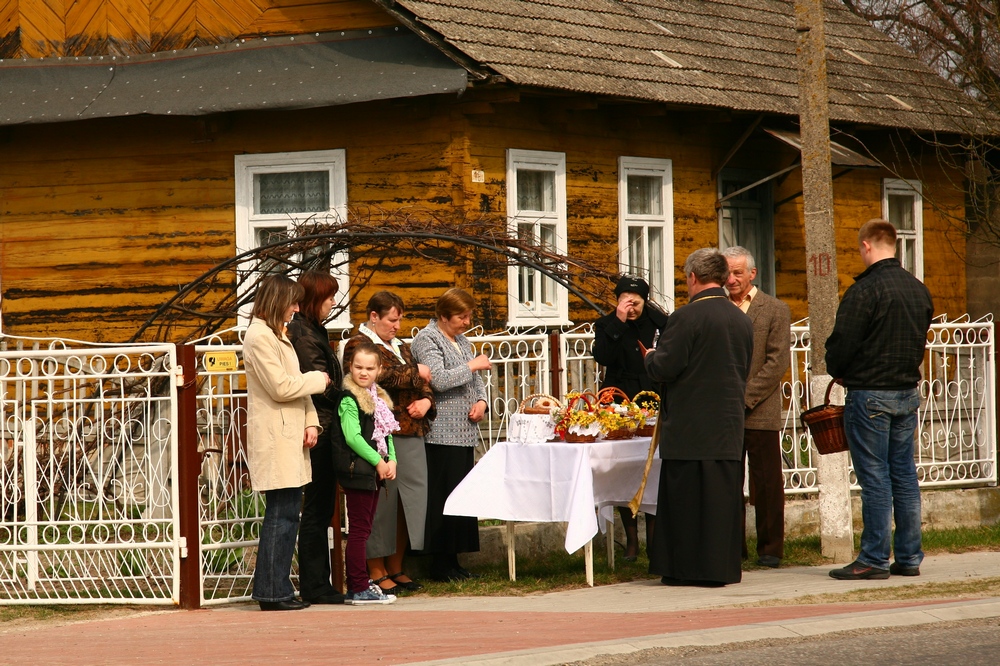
(221, 361)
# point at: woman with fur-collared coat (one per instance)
(281, 428)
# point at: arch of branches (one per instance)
(356, 249)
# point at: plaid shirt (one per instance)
(881, 331)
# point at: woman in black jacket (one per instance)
(312, 345)
(619, 339)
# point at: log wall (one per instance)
(101, 221)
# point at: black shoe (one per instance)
(465, 573)
(857, 571)
(897, 569)
(386, 590)
(286, 605)
(769, 561)
(447, 576)
(409, 585)
(332, 598)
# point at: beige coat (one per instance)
(279, 410)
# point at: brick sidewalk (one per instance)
(329, 634)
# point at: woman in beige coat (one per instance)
(282, 427)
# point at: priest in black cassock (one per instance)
(702, 358)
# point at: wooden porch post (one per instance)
(836, 529)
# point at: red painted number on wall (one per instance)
(820, 264)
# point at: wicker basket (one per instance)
(539, 403)
(826, 425)
(585, 402)
(619, 433)
(647, 398)
(571, 438)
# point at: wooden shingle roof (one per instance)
(733, 54)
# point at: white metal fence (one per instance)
(88, 444)
(88, 453)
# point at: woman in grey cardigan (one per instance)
(460, 398)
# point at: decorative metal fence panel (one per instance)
(521, 367)
(88, 449)
(230, 512)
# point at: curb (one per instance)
(785, 629)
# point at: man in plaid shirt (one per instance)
(877, 348)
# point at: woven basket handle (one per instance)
(588, 399)
(829, 387)
(607, 395)
(527, 402)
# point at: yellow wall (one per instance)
(101, 221)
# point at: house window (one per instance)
(902, 205)
(536, 211)
(645, 224)
(275, 192)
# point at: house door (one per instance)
(748, 220)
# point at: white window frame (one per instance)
(662, 168)
(247, 223)
(517, 313)
(916, 237)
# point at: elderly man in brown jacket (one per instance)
(762, 431)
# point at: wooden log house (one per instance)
(142, 143)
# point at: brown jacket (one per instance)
(402, 381)
(771, 357)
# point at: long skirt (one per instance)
(409, 488)
(699, 529)
(446, 467)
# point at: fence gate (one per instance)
(88, 449)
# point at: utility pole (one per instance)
(836, 528)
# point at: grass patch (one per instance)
(561, 571)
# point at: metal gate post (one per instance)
(555, 363)
(188, 469)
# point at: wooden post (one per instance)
(836, 531)
(555, 365)
(188, 470)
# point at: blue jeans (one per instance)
(880, 427)
(271, 580)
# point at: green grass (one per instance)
(562, 571)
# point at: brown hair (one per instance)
(275, 294)
(453, 302)
(363, 347)
(318, 286)
(383, 302)
(878, 232)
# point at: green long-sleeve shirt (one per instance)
(350, 424)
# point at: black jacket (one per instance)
(879, 338)
(703, 359)
(312, 345)
(353, 471)
(616, 347)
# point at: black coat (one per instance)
(312, 345)
(616, 347)
(703, 358)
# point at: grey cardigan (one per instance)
(456, 387)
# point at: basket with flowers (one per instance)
(576, 419)
(649, 404)
(619, 420)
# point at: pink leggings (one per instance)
(360, 512)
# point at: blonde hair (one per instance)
(274, 296)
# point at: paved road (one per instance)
(966, 643)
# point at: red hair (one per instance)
(318, 286)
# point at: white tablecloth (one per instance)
(557, 482)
